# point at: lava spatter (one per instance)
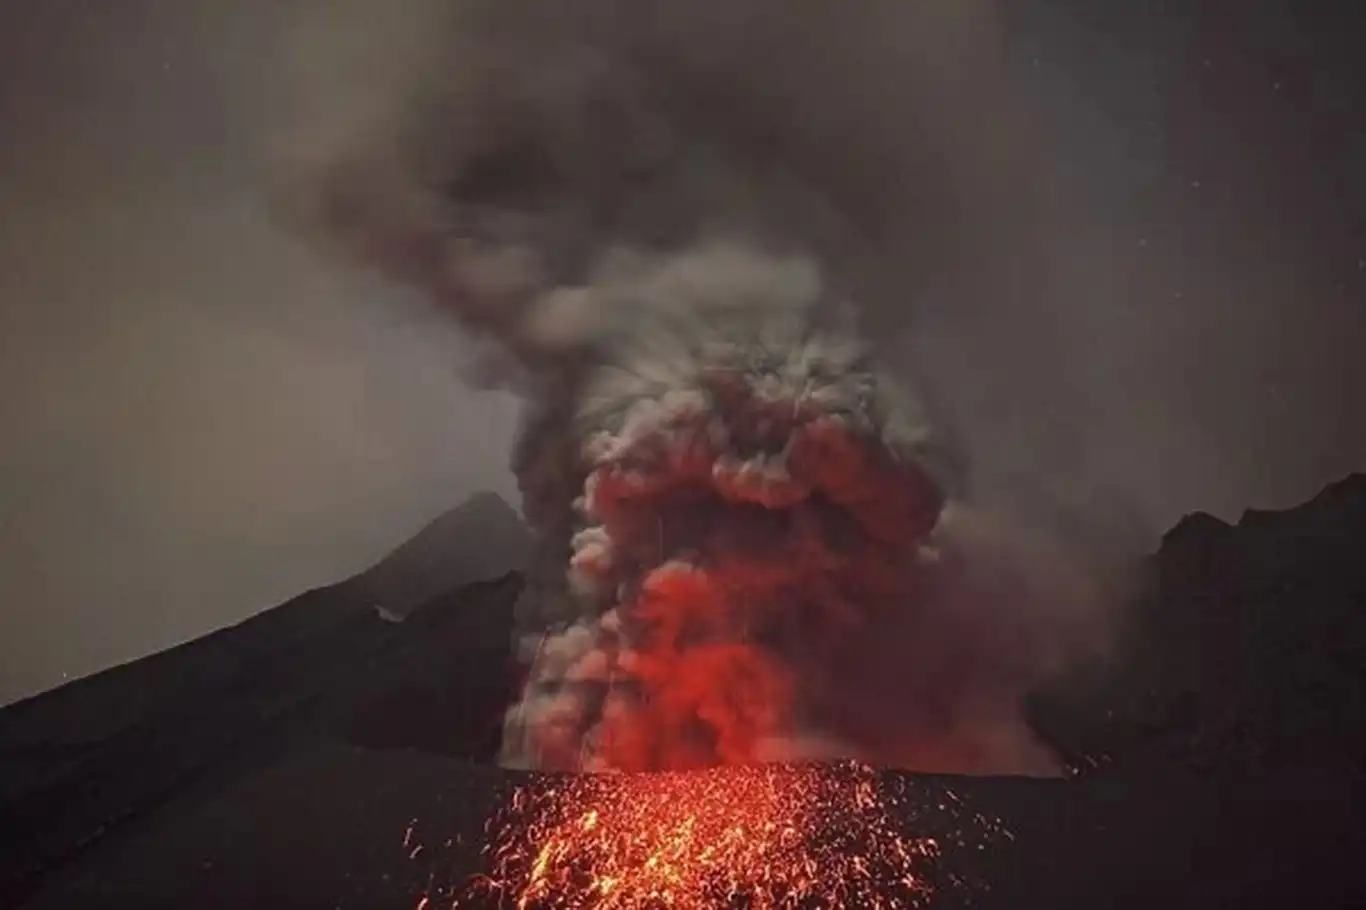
(761, 836)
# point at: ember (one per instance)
(743, 836)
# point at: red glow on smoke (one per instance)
(789, 570)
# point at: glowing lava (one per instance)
(759, 837)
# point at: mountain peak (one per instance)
(481, 539)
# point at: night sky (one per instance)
(202, 418)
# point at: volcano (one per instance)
(337, 751)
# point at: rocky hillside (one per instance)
(78, 762)
(1247, 651)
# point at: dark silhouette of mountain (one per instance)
(279, 763)
(482, 539)
(1248, 650)
(78, 761)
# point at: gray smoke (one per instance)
(676, 226)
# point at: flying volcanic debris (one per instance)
(660, 217)
(764, 837)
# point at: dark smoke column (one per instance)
(753, 505)
(656, 215)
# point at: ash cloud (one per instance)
(677, 228)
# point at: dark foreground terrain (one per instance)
(323, 755)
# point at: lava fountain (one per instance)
(760, 837)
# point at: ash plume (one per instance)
(671, 223)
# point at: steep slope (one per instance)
(77, 762)
(481, 539)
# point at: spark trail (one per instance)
(827, 836)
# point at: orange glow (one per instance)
(760, 837)
(746, 599)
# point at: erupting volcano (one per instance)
(755, 542)
(763, 837)
(751, 508)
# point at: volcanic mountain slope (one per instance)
(283, 763)
(1248, 651)
(79, 761)
(482, 539)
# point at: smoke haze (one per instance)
(1134, 262)
(200, 420)
(659, 212)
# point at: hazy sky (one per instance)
(201, 419)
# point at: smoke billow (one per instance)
(671, 222)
